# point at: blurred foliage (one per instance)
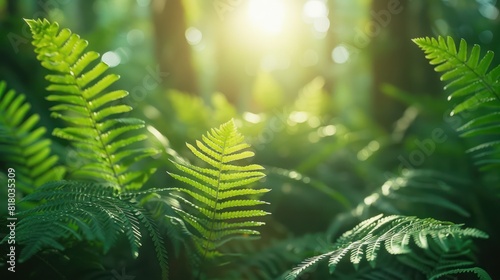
(336, 101)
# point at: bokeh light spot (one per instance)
(315, 9)
(112, 59)
(369, 200)
(340, 54)
(298, 116)
(321, 25)
(486, 36)
(135, 37)
(151, 112)
(442, 26)
(193, 36)
(251, 117)
(286, 188)
(374, 145)
(488, 11)
(329, 130)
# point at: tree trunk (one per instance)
(172, 50)
(395, 59)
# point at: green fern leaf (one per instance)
(471, 74)
(415, 187)
(434, 262)
(473, 85)
(79, 87)
(85, 211)
(22, 144)
(479, 272)
(251, 262)
(395, 232)
(217, 205)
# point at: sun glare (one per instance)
(267, 15)
(315, 9)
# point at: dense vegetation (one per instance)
(172, 179)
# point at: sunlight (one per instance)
(251, 117)
(315, 12)
(315, 9)
(267, 15)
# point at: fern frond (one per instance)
(312, 98)
(84, 211)
(435, 262)
(272, 260)
(473, 85)
(23, 145)
(394, 233)
(218, 205)
(479, 272)
(391, 269)
(80, 85)
(467, 75)
(422, 187)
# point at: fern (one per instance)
(415, 187)
(474, 86)
(435, 262)
(270, 261)
(479, 272)
(217, 205)
(85, 211)
(401, 195)
(22, 143)
(392, 269)
(394, 233)
(422, 264)
(105, 141)
(77, 211)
